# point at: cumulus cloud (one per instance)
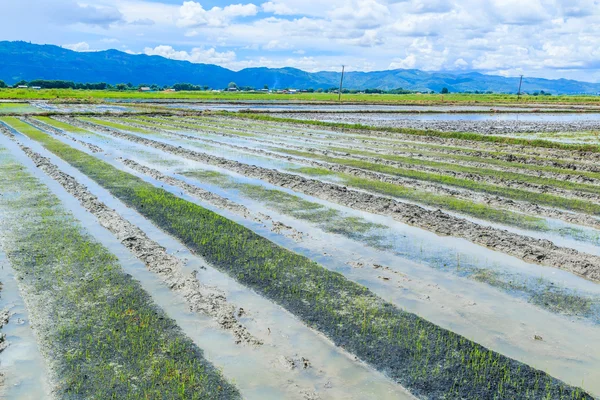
(193, 15)
(81, 46)
(196, 55)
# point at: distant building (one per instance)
(145, 89)
(36, 87)
(232, 89)
(22, 87)
(169, 90)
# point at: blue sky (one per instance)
(543, 38)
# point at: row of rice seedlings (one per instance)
(104, 335)
(515, 194)
(418, 132)
(61, 125)
(540, 292)
(383, 145)
(426, 359)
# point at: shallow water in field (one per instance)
(258, 372)
(495, 319)
(21, 363)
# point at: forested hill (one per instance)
(25, 61)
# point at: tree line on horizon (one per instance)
(189, 87)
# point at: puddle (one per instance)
(23, 367)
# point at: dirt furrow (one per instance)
(416, 154)
(48, 128)
(574, 160)
(529, 249)
(509, 183)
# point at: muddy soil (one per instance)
(574, 160)
(529, 249)
(489, 127)
(48, 128)
(483, 198)
(417, 153)
(203, 299)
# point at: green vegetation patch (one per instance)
(104, 335)
(428, 360)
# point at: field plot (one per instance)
(399, 263)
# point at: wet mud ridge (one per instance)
(48, 128)
(487, 127)
(483, 198)
(529, 249)
(216, 200)
(203, 299)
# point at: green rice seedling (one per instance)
(379, 333)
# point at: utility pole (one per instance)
(341, 84)
(520, 84)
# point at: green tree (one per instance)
(2, 85)
(445, 91)
(266, 87)
(232, 85)
(121, 86)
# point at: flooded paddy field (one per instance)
(561, 127)
(238, 256)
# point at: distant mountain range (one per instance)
(26, 61)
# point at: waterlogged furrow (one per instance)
(100, 332)
(430, 361)
(483, 206)
(361, 146)
(543, 293)
(524, 247)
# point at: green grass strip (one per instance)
(430, 361)
(115, 125)
(516, 194)
(105, 336)
(418, 132)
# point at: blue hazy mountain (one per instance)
(26, 61)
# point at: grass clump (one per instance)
(426, 359)
(105, 336)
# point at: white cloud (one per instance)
(196, 55)
(193, 15)
(277, 8)
(81, 46)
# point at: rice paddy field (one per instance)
(184, 251)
